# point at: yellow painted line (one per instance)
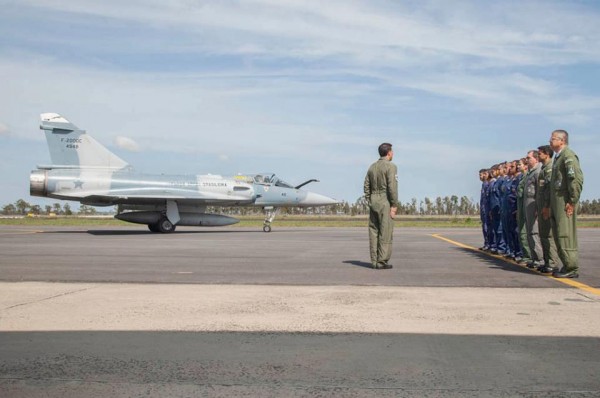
(570, 282)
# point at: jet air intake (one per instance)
(38, 183)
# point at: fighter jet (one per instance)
(85, 171)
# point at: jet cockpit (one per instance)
(271, 179)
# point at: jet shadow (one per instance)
(102, 232)
(114, 232)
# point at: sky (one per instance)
(304, 89)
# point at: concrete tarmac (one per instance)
(297, 312)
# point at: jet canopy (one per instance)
(270, 179)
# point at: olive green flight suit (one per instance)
(542, 200)
(566, 185)
(381, 193)
(521, 218)
(530, 212)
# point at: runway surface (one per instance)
(297, 312)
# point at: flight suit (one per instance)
(488, 215)
(483, 213)
(521, 218)
(498, 244)
(545, 225)
(530, 212)
(381, 193)
(566, 185)
(512, 226)
(505, 212)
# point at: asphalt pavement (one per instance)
(296, 312)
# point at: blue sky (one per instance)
(306, 89)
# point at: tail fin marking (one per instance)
(72, 147)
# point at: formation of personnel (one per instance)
(529, 208)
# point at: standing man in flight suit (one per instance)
(523, 166)
(543, 207)
(565, 190)
(499, 244)
(381, 193)
(483, 208)
(504, 207)
(530, 210)
(512, 225)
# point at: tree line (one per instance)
(440, 206)
(22, 207)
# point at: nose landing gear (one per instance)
(270, 213)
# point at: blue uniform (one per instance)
(498, 242)
(513, 227)
(505, 211)
(484, 213)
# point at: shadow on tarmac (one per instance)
(132, 232)
(114, 232)
(495, 262)
(359, 263)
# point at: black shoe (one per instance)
(494, 251)
(384, 266)
(547, 269)
(566, 274)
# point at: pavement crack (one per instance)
(49, 298)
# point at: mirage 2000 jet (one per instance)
(84, 170)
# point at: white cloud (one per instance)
(373, 33)
(307, 85)
(509, 94)
(127, 144)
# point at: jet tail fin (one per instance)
(71, 147)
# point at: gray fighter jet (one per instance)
(84, 170)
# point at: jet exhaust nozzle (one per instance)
(38, 183)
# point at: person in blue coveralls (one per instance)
(513, 227)
(498, 245)
(483, 207)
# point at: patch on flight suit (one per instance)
(558, 183)
(531, 190)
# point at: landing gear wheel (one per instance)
(165, 226)
(267, 228)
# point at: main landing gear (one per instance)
(163, 225)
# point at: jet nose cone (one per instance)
(315, 199)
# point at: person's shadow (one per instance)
(359, 263)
